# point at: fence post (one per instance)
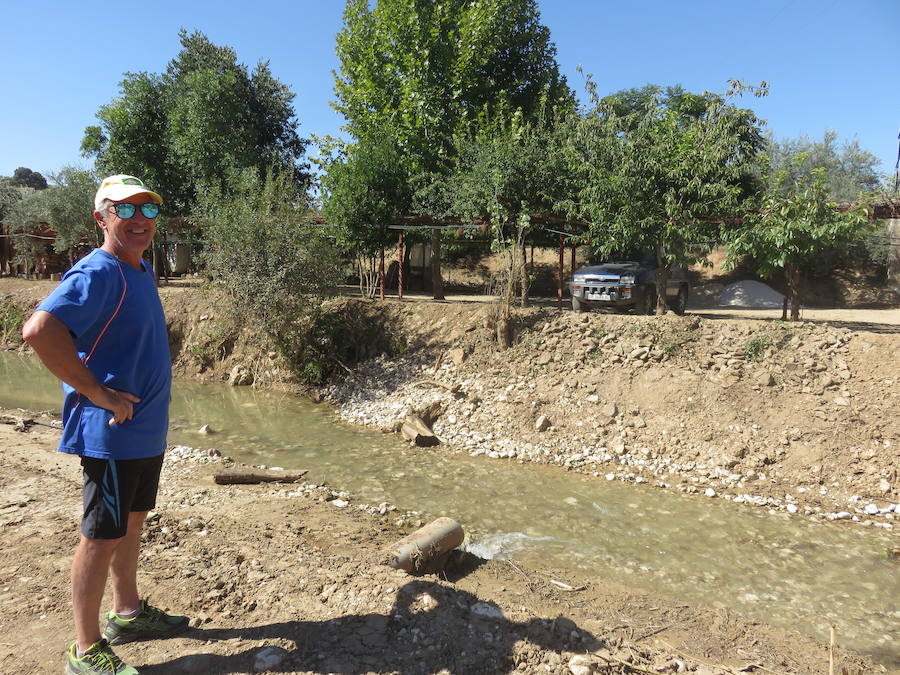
(400, 267)
(559, 281)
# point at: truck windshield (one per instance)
(643, 257)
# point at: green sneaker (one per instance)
(149, 623)
(99, 659)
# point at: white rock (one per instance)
(872, 509)
(791, 508)
(841, 515)
(340, 503)
(710, 492)
(487, 611)
(269, 658)
(580, 665)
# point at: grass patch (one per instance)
(11, 319)
(769, 337)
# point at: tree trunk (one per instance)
(523, 278)
(165, 256)
(361, 271)
(381, 275)
(437, 282)
(400, 259)
(504, 332)
(250, 476)
(559, 281)
(792, 278)
(662, 281)
(154, 262)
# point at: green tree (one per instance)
(24, 177)
(791, 224)
(659, 172)
(421, 72)
(25, 220)
(198, 125)
(365, 189)
(9, 195)
(849, 170)
(509, 171)
(70, 206)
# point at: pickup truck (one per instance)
(629, 282)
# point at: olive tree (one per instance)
(65, 207)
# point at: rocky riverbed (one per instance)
(797, 418)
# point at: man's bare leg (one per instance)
(89, 571)
(123, 567)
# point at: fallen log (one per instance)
(254, 476)
(413, 553)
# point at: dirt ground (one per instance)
(798, 418)
(279, 578)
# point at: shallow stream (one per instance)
(779, 569)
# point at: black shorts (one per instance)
(113, 488)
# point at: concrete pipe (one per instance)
(414, 552)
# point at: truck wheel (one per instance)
(576, 305)
(648, 301)
(679, 306)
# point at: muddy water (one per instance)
(774, 568)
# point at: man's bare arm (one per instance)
(52, 342)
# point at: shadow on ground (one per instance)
(429, 628)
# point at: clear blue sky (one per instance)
(831, 64)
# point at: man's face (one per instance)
(129, 235)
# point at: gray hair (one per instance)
(104, 206)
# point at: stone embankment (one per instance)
(796, 418)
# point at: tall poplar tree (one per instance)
(418, 72)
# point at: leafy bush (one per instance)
(261, 248)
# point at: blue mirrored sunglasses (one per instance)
(127, 210)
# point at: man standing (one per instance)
(103, 333)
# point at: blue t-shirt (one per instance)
(115, 316)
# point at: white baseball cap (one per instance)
(121, 186)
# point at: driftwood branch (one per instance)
(455, 389)
(19, 423)
(254, 476)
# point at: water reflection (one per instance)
(772, 568)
